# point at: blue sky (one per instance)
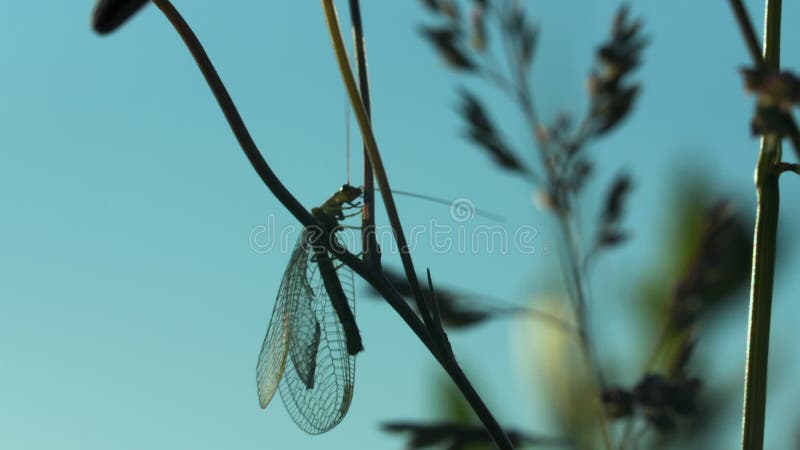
(133, 306)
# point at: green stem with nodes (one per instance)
(764, 246)
(764, 252)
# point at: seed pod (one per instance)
(108, 15)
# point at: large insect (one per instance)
(312, 338)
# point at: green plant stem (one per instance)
(764, 252)
(440, 347)
(764, 246)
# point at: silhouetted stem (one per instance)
(369, 242)
(748, 32)
(442, 351)
(749, 35)
(371, 146)
(375, 278)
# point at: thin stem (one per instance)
(262, 168)
(747, 30)
(368, 241)
(576, 278)
(789, 167)
(371, 146)
(373, 277)
(764, 250)
(524, 97)
(749, 35)
(764, 247)
(439, 347)
(574, 273)
(232, 114)
(526, 103)
(662, 341)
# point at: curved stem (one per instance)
(373, 277)
(232, 114)
(260, 165)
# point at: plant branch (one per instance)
(373, 277)
(751, 41)
(764, 248)
(368, 241)
(232, 114)
(371, 146)
(574, 274)
(524, 98)
(438, 346)
(748, 32)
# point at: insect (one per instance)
(312, 338)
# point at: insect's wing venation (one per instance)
(275, 348)
(318, 406)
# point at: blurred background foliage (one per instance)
(708, 248)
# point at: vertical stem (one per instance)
(764, 247)
(371, 144)
(574, 276)
(524, 97)
(369, 243)
(439, 349)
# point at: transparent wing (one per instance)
(306, 333)
(318, 406)
(294, 289)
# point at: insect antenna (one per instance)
(478, 212)
(347, 136)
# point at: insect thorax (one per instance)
(328, 220)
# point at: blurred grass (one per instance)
(554, 355)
